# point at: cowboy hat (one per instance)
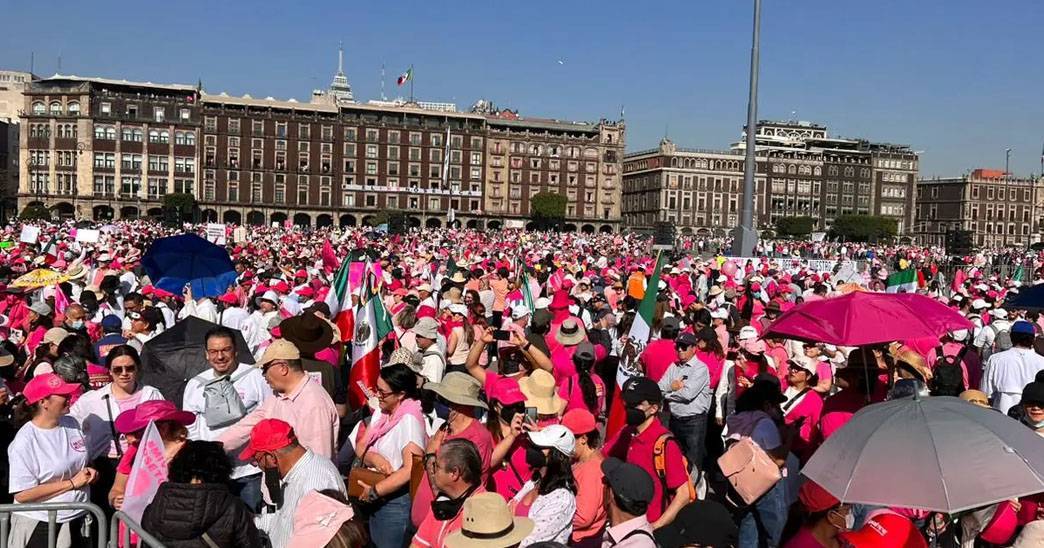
(489, 523)
(570, 333)
(76, 272)
(541, 392)
(309, 332)
(459, 388)
(458, 278)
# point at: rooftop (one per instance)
(112, 82)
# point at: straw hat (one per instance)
(459, 388)
(489, 523)
(542, 392)
(570, 333)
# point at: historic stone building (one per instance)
(108, 149)
(12, 84)
(1000, 210)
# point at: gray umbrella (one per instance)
(936, 453)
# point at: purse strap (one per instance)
(210, 542)
(794, 400)
(112, 426)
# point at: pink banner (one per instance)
(147, 473)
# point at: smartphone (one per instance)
(501, 335)
(531, 414)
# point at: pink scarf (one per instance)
(386, 422)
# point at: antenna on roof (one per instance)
(59, 63)
(383, 97)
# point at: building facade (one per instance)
(108, 149)
(12, 85)
(999, 210)
(801, 171)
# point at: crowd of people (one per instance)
(534, 389)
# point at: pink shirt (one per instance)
(477, 433)
(807, 411)
(715, 366)
(657, 357)
(308, 409)
(589, 520)
(803, 539)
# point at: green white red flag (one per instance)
(372, 325)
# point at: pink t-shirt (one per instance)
(803, 539)
(508, 478)
(590, 516)
(807, 411)
(658, 357)
(715, 365)
(569, 389)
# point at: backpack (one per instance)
(660, 464)
(1001, 339)
(222, 405)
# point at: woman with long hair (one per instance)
(460, 338)
(710, 352)
(388, 444)
(549, 498)
(48, 463)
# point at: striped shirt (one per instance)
(311, 473)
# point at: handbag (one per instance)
(749, 469)
(364, 475)
(416, 474)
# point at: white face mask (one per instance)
(849, 520)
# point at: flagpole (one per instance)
(412, 78)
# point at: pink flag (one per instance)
(330, 262)
(147, 473)
(61, 302)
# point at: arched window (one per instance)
(74, 108)
(38, 107)
(164, 136)
(110, 133)
(56, 107)
(153, 136)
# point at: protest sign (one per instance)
(216, 233)
(147, 473)
(88, 236)
(30, 234)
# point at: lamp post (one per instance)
(1007, 179)
(744, 235)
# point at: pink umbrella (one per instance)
(862, 318)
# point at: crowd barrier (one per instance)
(145, 540)
(52, 508)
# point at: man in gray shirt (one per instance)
(686, 390)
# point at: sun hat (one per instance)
(55, 335)
(714, 291)
(506, 391)
(268, 435)
(885, 530)
(804, 363)
(427, 327)
(579, 421)
(280, 349)
(76, 272)
(424, 287)
(308, 332)
(459, 388)
(460, 309)
(269, 296)
(41, 308)
(977, 397)
(570, 333)
(458, 278)
(317, 519)
(407, 357)
(133, 420)
(48, 384)
(489, 523)
(556, 437)
(542, 392)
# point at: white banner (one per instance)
(147, 473)
(216, 233)
(88, 236)
(30, 234)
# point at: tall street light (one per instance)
(1007, 179)
(744, 235)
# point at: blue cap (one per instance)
(1022, 327)
(111, 323)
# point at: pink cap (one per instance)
(133, 420)
(46, 385)
(317, 519)
(301, 274)
(281, 287)
(229, 298)
(506, 391)
(306, 292)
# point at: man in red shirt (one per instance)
(660, 354)
(456, 472)
(636, 443)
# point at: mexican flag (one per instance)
(527, 291)
(405, 77)
(339, 299)
(902, 280)
(50, 251)
(641, 330)
(372, 325)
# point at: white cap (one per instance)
(959, 335)
(979, 304)
(519, 311)
(747, 332)
(555, 436)
(542, 303)
(999, 313)
(719, 314)
(803, 362)
(457, 308)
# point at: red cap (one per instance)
(268, 435)
(885, 531)
(815, 498)
(281, 287)
(506, 391)
(306, 291)
(46, 385)
(579, 421)
(301, 274)
(229, 298)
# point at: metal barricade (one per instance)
(144, 538)
(52, 509)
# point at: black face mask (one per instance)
(447, 509)
(441, 410)
(635, 416)
(535, 457)
(511, 366)
(507, 414)
(275, 487)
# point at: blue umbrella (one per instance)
(1029, 297)
(188, 259)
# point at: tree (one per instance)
(35, 213)
(794, 227)
(864, 228)
(181, 203)
(547, 210)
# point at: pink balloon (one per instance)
(729, 268)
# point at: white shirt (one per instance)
(93, 411)
(252, 390)
(1007, 373)
(390, 445)
(203, 308)
(433, 364)
(234, 317)
(552, 515)
(39, 456)
(310, 473)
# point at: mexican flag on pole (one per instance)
(339, 299)
(903, 280)
(405, 77)
(372, 325)
(527, 291)
(641, 330)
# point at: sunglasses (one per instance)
(682, 347)
(122, 370)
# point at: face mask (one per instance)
(76, 324)
(275, 487)
(635, 416)
(849, 520)
(511, 366)
(445, 509)
(1035, 425)
(441, 410)
(535, 457)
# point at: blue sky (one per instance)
(959, 79)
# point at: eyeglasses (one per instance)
(219, 351)
(682, 347)
(381, 394)
(124, 369)
(270, 365)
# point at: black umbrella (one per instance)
(173, 357)
(1029, 297)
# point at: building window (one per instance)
(371, 150)
(280, 193)
(106, 108)
(304, 131)
(372, 135)
(158, 163)
(56, 108)
(130, 186)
